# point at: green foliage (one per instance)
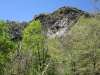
(58, 55)
(78, 53)
(58, 16)
(6, 48)
(55, 16)
(34, 42)
(84, 50)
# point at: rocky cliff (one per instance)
(58, 22)
(55, 24)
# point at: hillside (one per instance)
(65, 42)
(55, 24)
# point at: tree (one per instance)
(6, 48)
(35, 43)
(82, 43)
(96, 1)
(96, 7)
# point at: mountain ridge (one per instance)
(54, 24)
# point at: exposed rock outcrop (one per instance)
(16, 29)
(55, 24)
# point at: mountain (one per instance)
(71, 46)
(55, 24)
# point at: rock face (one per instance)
(55, 24)
(16, 29)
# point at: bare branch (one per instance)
(46, 67)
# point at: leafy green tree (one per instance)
(82, 44)
(35, 43)
(6, 48)
(57, 53)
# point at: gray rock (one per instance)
(54, 24)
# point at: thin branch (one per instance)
(46, 67)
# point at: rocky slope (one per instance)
(58, 22)
(16, 29)
(55, 24)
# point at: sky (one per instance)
(25, 10)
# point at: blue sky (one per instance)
(24, 10)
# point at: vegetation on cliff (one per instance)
(32, 52)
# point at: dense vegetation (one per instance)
(83, 47)
(29, 52)
(7, 47)
(78, 53)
